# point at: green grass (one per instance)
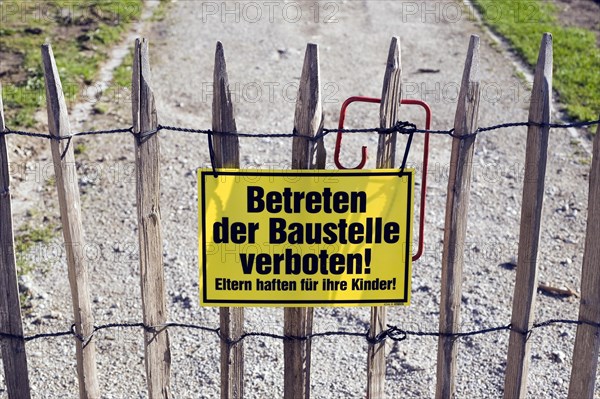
(81, 34)
(160, 12)
(80, 148)
(120, 86)
(122, 74)
(25, 239)
(576, 55)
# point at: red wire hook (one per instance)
(363, 161)
(338, 140)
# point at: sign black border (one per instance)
(307, 172)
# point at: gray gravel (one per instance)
(264, 57)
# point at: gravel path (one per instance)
(264, 55)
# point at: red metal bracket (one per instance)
(363, 161)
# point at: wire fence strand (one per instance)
(393, 332)
(401, 127)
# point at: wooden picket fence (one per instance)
(306, 154)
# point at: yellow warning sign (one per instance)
(305, 237)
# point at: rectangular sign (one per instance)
(305, 237)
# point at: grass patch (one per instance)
(81, 34)
(576, 56)
(119, 91)
(100, 108)
(160, 12)
(25, 239)
(26, 259)
(122, 74)
(80, 149)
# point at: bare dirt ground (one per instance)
(264, 48)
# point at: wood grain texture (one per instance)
(227, 148)
(389, 106)
(386, 158)
(523, 310)
(147, 159)
(308, 120)
(457, 202)
(227, 155)
(14, 358)
(587, 341)
(70, 213)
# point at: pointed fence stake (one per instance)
(457, 202)
(536, 153)
(147, 160)
(14, 357)
(587, 342)
(70, 213)
(386, 158)
(227, 155)
(308, 121)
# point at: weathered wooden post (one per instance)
(308, 121)
(536, 153)
(227, 155)
(457, 203)
(587, 342)
(14, 357)
(67, 187)
(386, 158)
(147, 160)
